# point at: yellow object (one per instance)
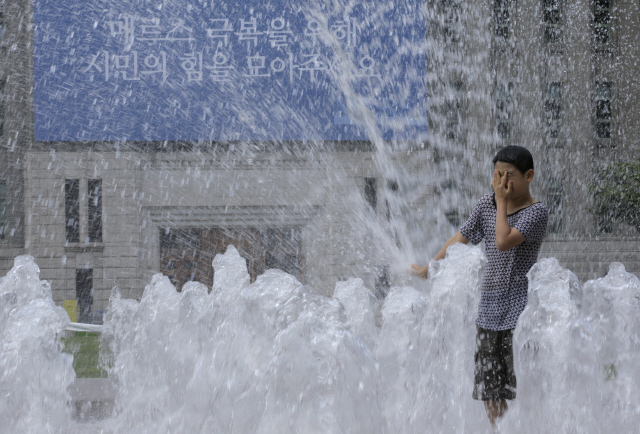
(71, 306)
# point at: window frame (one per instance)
(507, 97)
(553, 97)
(452, 110)
(84, 293)
(607, 24)
(94, 211)
(371, 193)
(2, 19)
(602, 121)
(72, 206)
(451, 10)
(546, 25)
(3, 211)
(555, 194)
(502, 20)
(2, 87)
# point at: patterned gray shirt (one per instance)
(505, 285)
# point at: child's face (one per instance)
(520, 181)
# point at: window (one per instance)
(503, 109)
(3, 209)
(72, 209)
(602, 22)
(452, 110)
(1, 18)
(371, 192)
(554, 202)
(552, 19)
(84, 293)
(603, 110)
(502, 22)
(95, 210)
(392, 186)
(452, 117)
(451, 11)
(553, 110)
(2, 84)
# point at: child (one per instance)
(513, 225)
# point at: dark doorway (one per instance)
(84, 294)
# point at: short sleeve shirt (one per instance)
(505, 284)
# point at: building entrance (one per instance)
(186, 254)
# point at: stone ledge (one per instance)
(9, 252)
(594, 239)
(232, 216)
(84, 248)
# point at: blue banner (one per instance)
(148, 70)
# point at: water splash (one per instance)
(612, 306)
(34, 373)
(273, 356)
(570, 344)
(245, 358)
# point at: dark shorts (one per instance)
(495, 378)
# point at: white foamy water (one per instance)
(34, 373)
(273, 356)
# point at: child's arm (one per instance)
(506, 236)
(424, 271)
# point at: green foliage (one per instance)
(617, 194)
(85, 348)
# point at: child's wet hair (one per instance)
(520, 157)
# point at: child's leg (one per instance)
(494, 377)
(495, 410)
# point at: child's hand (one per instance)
(502, 187)
(419, 271)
